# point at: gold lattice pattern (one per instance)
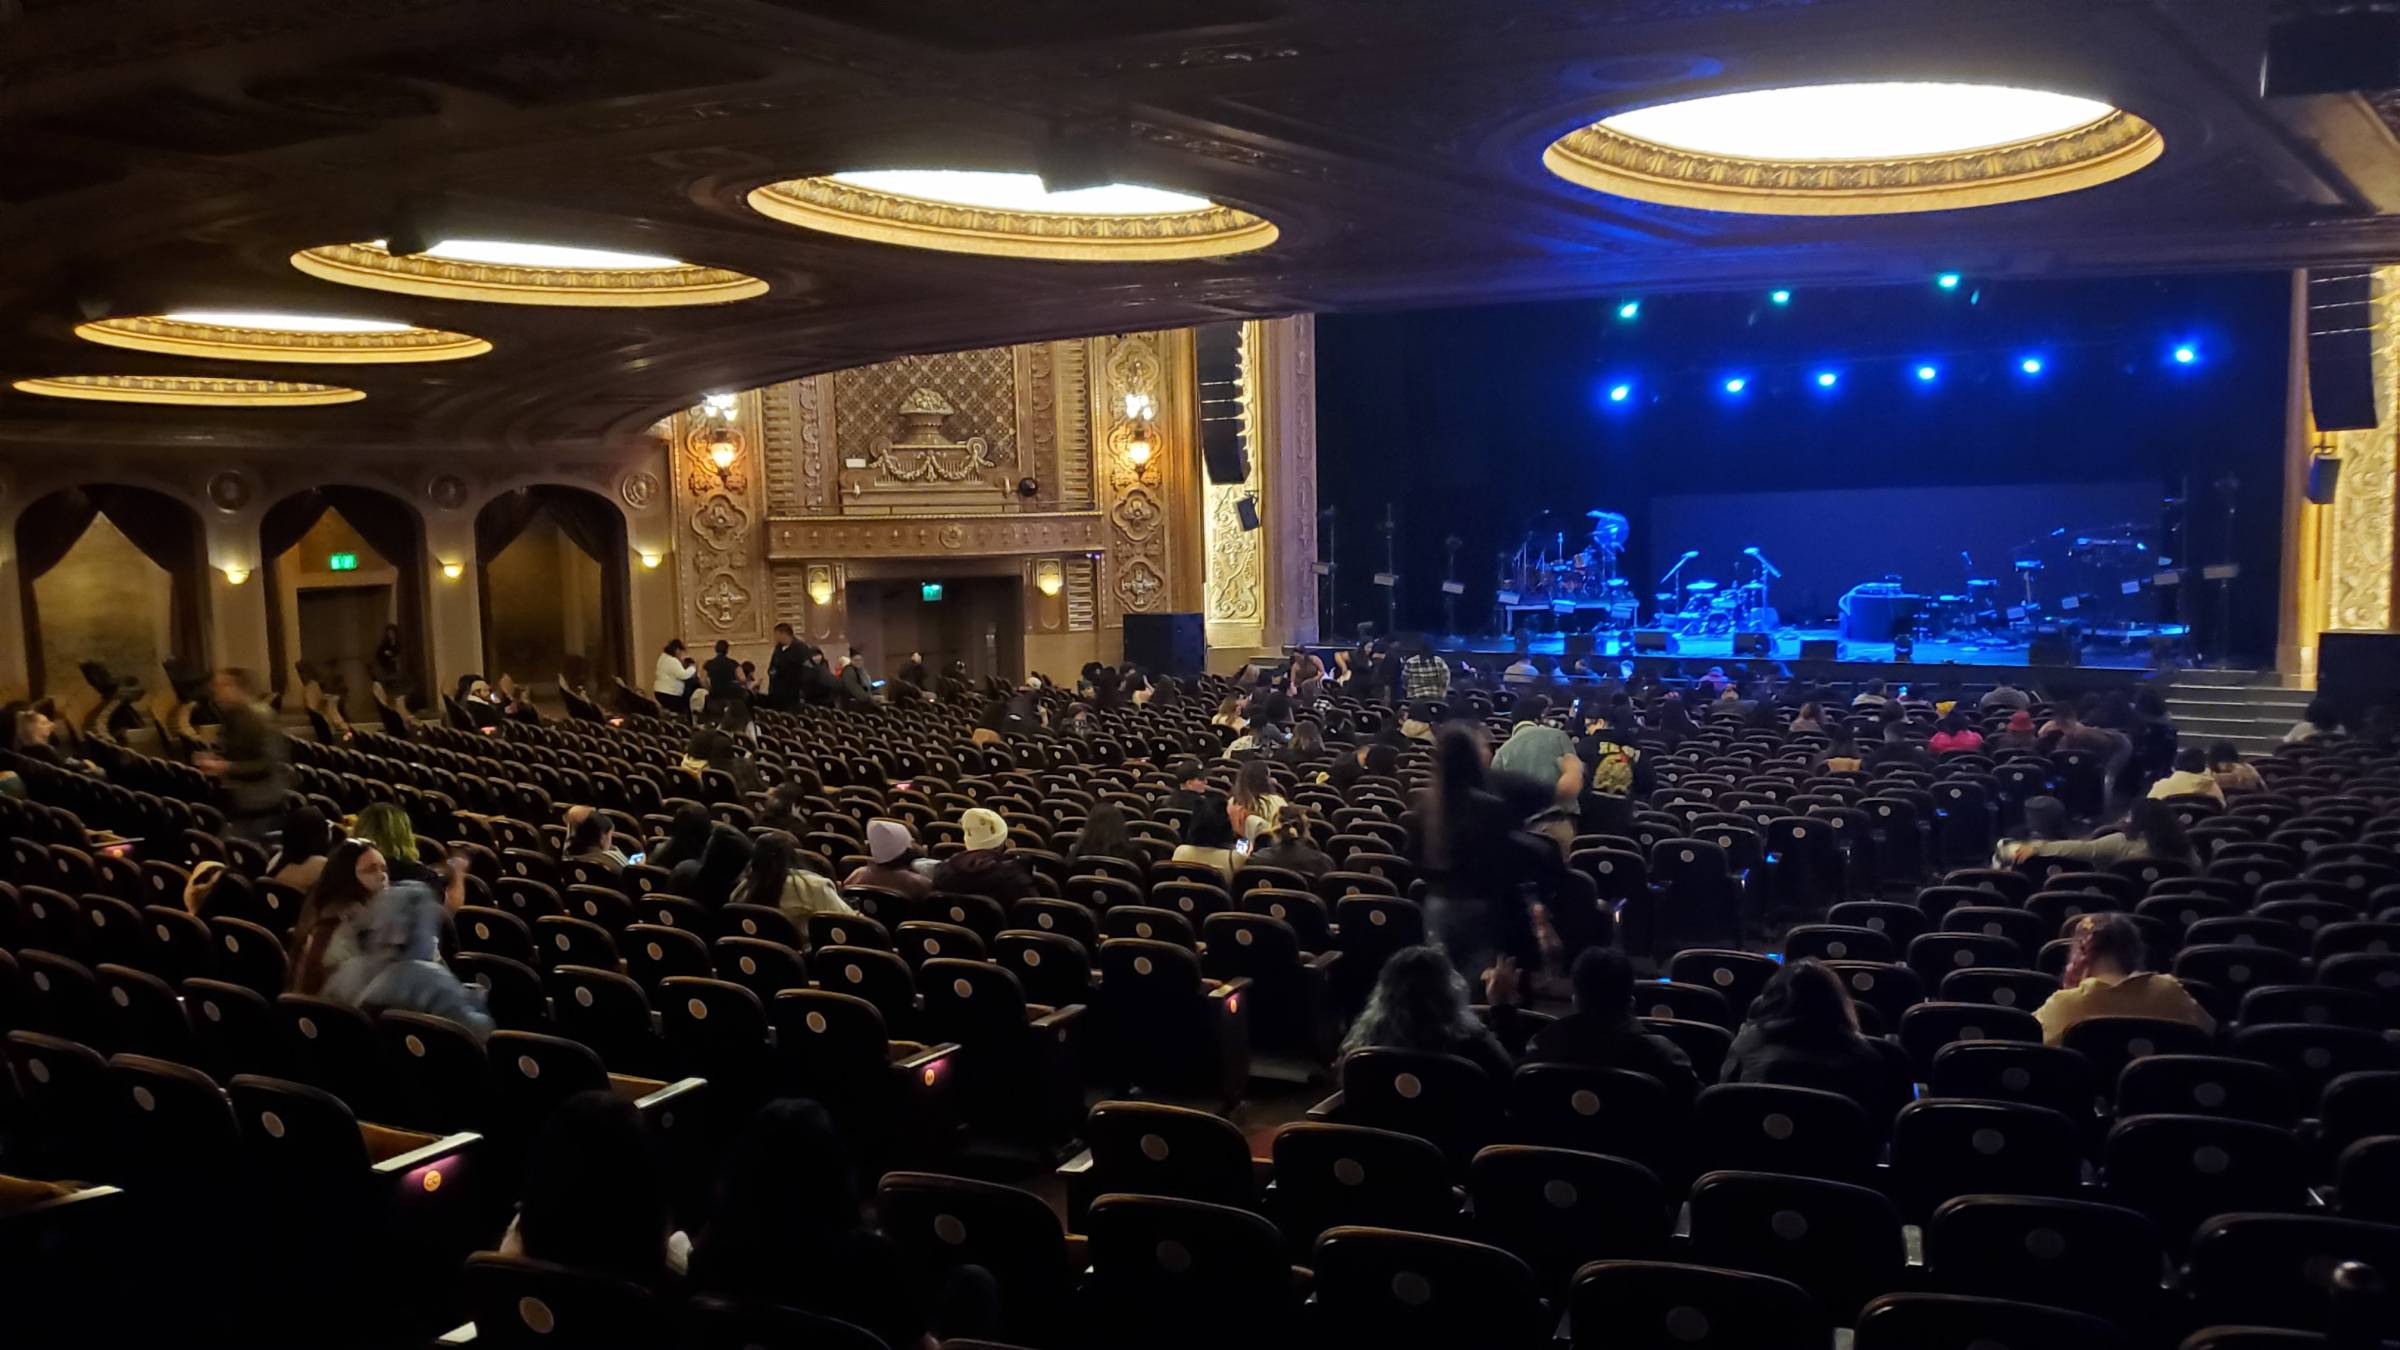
(980, 384)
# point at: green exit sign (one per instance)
(341, 562)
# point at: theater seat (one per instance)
(1442, 1098)
(1327, 1175)
(1659, 1305)
(1021, 1064)
(1557, 1208)
(1293, 1011)
(1416, 1291)
(517, 1304)
(894, 1099)
(1167, 1027)
(1953, 1322)
(2275, 1270)
(2100, 1259)
(1151, 1148)
(1841, 1243)
(1188, 1275)
(941, 1223)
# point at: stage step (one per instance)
(2252, 709)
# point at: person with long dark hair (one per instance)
(1803, 1032)
(1420, 1003)
(1208, 836)
(300, 859)
(1105, 835)
(722, 866)
(776, 878)
(594, 1200)
(1289, 846)
(788, 1229)
(326, 931)
(1484, 878)
(687, 837)
(1253, 806)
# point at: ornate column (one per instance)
(2339, 559)
(721, 581)
(1152, 508)
(1284, 366)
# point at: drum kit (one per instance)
(1706, 607)
(1542, 574)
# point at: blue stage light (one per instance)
(1631, 309)
(2186, 354)
(1736, 385)
(1620, 393)
(1929, 373)
(1948, 281)
(2031, 365)
(1780, 297)
(1827, 379)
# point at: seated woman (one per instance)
(36, 739)
(1803, 1032)
(894, 862)
(1956, 735)
(399, 964)
(776, 878)
(1208, 836)
(2190, 778)
(1420, 1003)
(1289, 847)
(592, 837)
(2150, 831)
(386, 826)
(2232, 775)
(2104, 978)
(593, 1197)
(326, 934)
(301, 859)
(787, 1229)
(1105, 835)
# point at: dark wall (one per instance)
(1476, 421)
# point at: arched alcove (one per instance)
(340, 564)
(556, 589)
(112, 574)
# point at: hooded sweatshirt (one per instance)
(399, 964)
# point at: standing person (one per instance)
(1483, 879)
(2104, 978)
(671, 682)
(385, 668)
(2154, 738)
(785, 669)
(1304, 678)
(249, 759)
(1425, 677)
(912, 670)
(722, 673)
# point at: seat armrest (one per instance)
(931, 1054)
(1324, 960)
(1060, 1018)
(1239, 984)
(452, 1146)
(658, 1094)
(462, 1334)
(1081, 1165)
(1329, 1109)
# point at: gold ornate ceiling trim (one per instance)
(176, 337)
(510, 284)
(914, 222)
(2100, 151)
(189, 392)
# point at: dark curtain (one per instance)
(388, 527)
(593, 526)
(155, 523)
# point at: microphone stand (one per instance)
(1767, 572)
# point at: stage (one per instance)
(2111, 649)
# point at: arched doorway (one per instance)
(340, 564)
(111, 575)
(556, 589)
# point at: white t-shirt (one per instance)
(670, 676)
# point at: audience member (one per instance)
(301, 858)
(671, 682)
(248, 761)
(2150, 831)
(1105, 835)
(1289, 846)
(984, 868)
(2320, 719)
(787, 1229)
(2045, 822)
(1208, 836)
(1873, 696)
(398, 966)
(325, 933)
(775, 877)
(592, 837)
(2232, 775)
(2190, 778)
(1955, 736)
(894, 862)
(687, 838)
(785, 667)
(1603, 1033)
(1253, 806)
(2018, 734)
(1371, 757)
(1425, 677)
(1803, 1032)
(2104, 978)
(2006, 695)
(1483, 877)
(720, 867)
(386, 826)
(1840, 755)
(1420, 1003)
(594, 1200)
(1809, 721)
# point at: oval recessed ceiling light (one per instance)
(243, 335)
(189, 392)
(510, 273)
(1857, 149)
(1011, 215)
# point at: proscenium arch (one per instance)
(597, 528)
(391, 527)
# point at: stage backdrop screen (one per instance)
(1830, 540)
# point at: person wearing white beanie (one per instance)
(984, 868)
(895, 861)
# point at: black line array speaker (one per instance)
(2341, 348)
(1217, 348)
(2359, 669)
(1167, 644)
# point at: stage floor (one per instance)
(2111, 651)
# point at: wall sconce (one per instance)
(235, 576)
(454, 570)
(720, 412)
(652, 560)
(820, 585)
(1139, 408)
(1049, 578)
(722, 453)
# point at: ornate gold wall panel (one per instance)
(1152, 562)
(2360, 584)
(1236, 585)
(933, 536)
(937, 431)
(721, 581)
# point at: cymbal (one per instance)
(1699, 585)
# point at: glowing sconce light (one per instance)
(652, 560)
(235, 576)
(722, 407)
(454, 570)
(1049, 578)
(1139, 408)
(721, 453)
(820, 585)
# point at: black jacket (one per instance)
(784, 678)
(1615, 1043)
(1868, 1070)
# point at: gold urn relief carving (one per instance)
(923, 452)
